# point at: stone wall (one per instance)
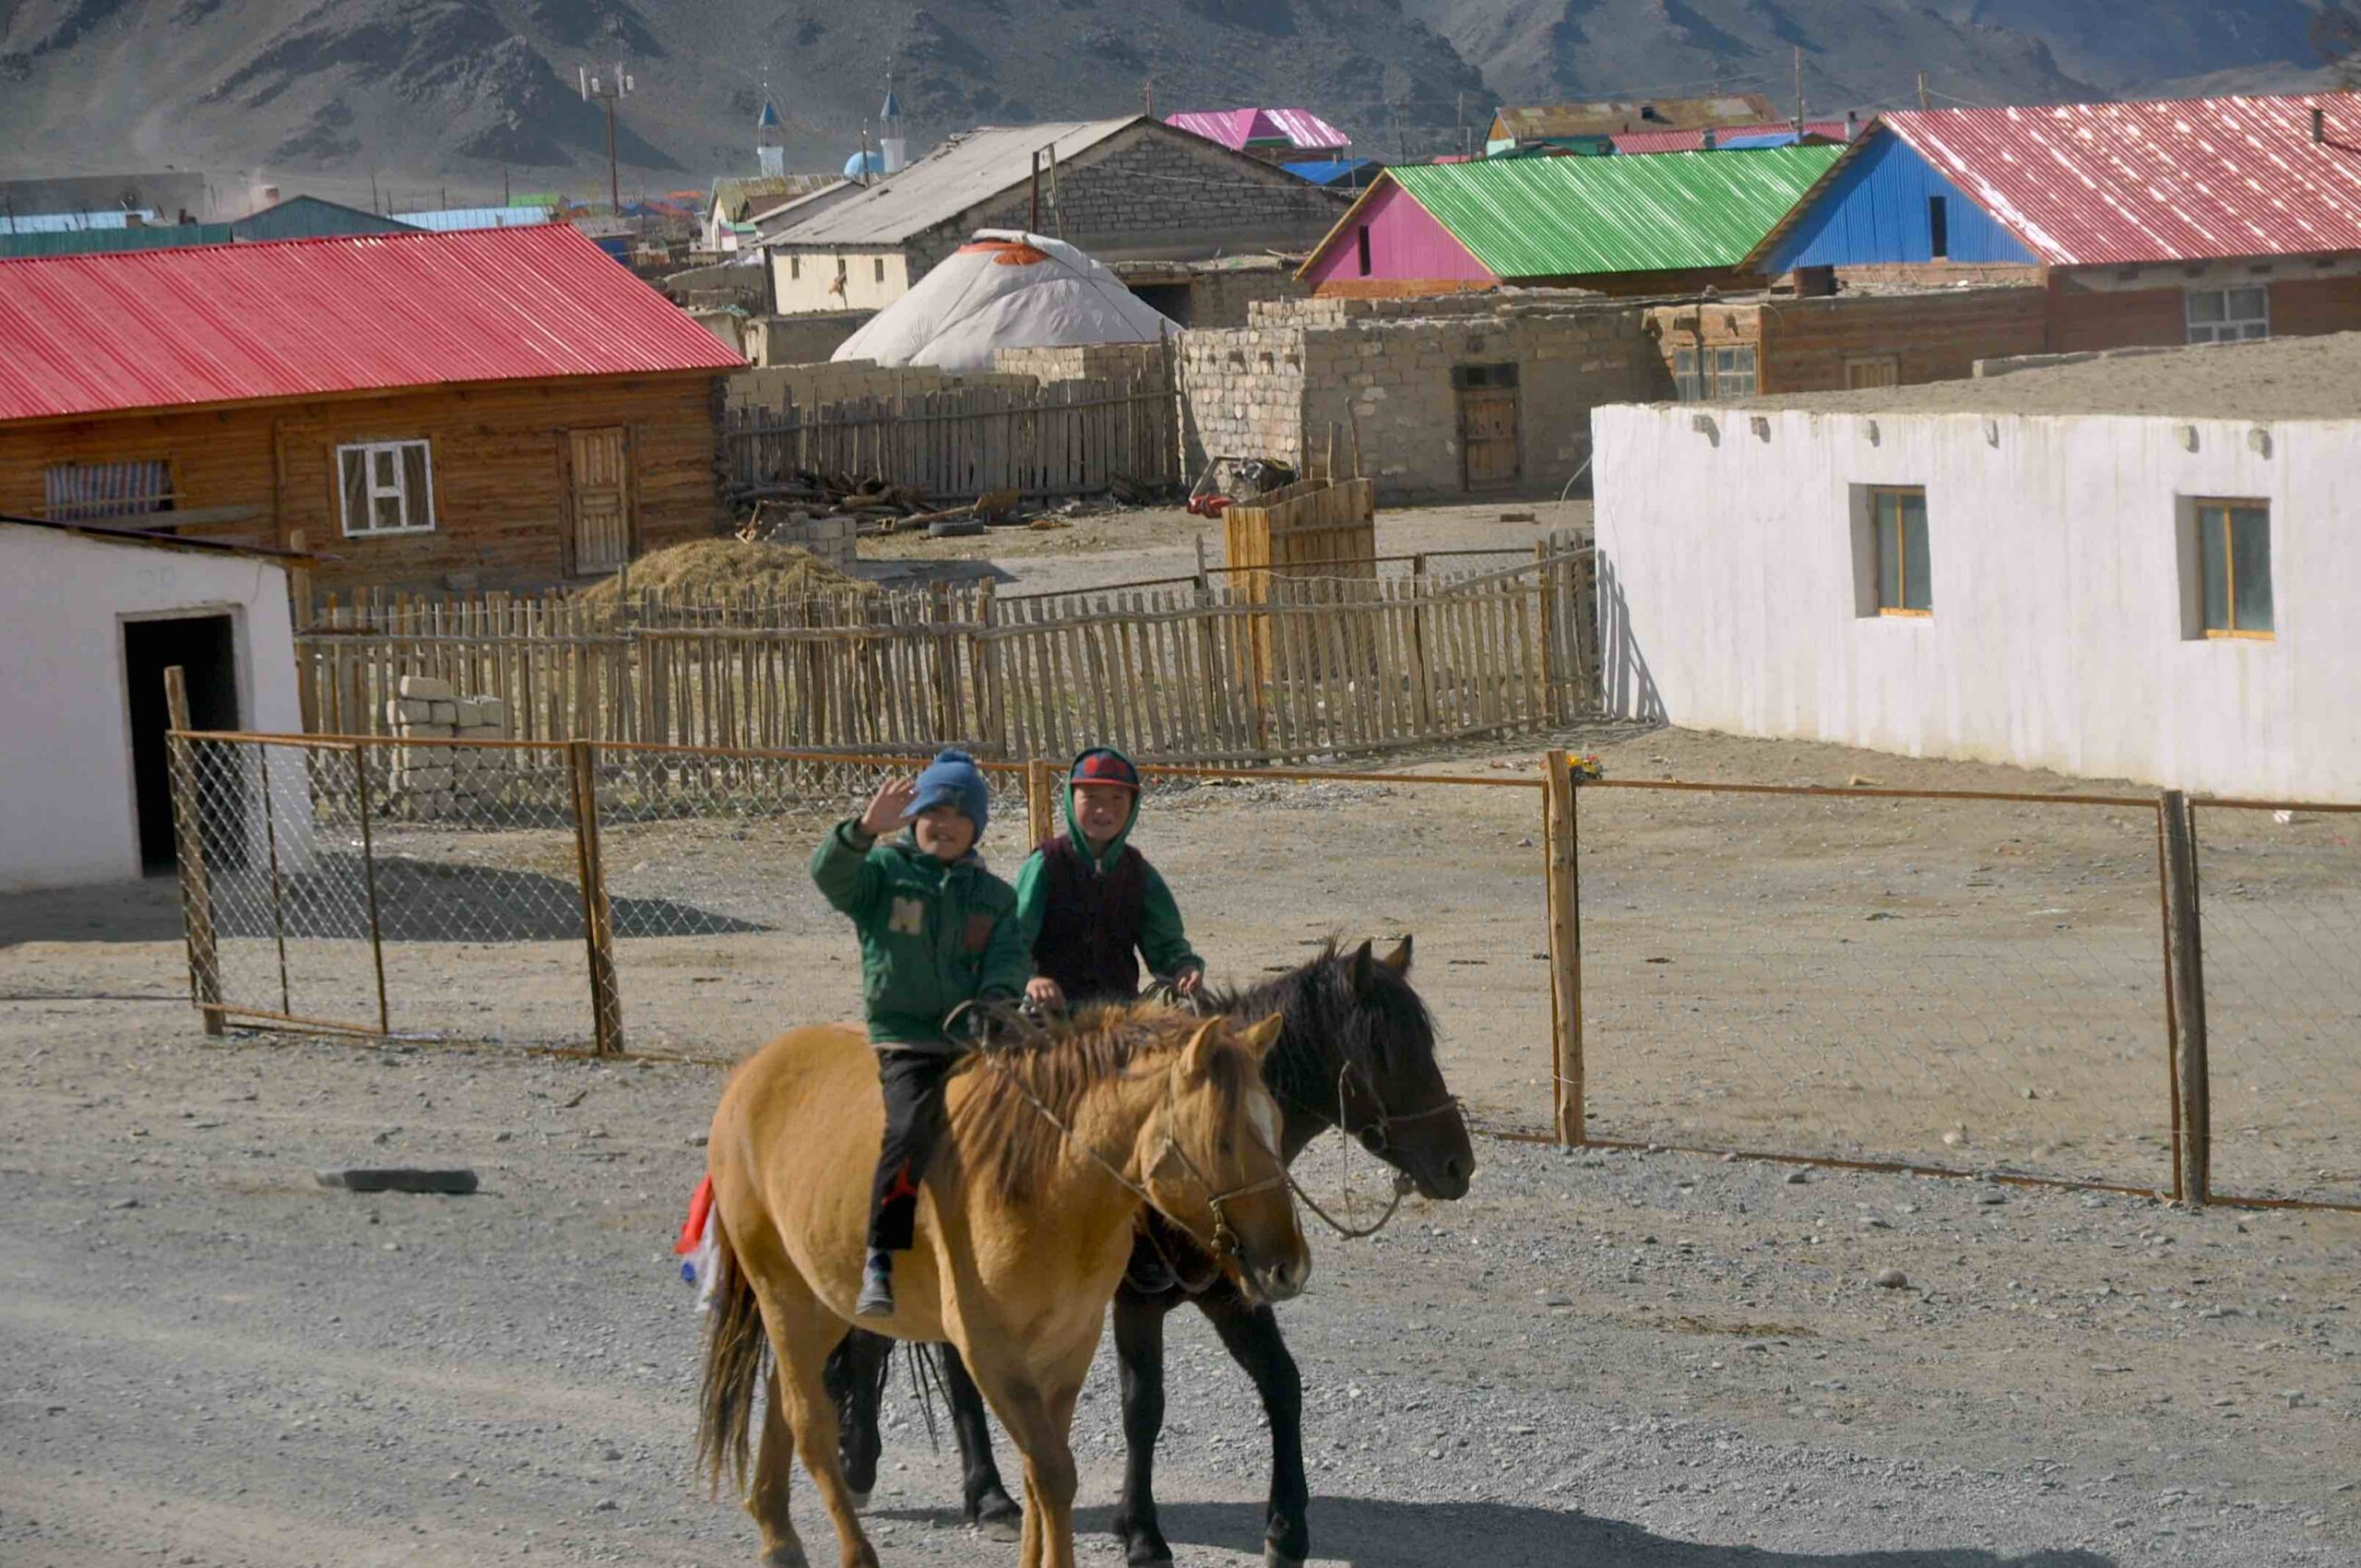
(1083, 361)
(1385, 368)
(1212, 294)
(832, 381)
(802, 339)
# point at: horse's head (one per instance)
(1218, 1170)
(1387, 1088)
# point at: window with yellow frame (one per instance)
(1898, 533)
(2234, 568)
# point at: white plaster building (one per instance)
(89, 619)
(2145, 567)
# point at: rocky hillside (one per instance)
(446, 99)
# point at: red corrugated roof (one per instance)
(2110, 183)
(235, 324)
(1693, 141)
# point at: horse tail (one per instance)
(736, 1350)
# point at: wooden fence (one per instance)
(1355, 665)
(1066, 438)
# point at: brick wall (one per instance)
(800, 340)
(1384, 368)
(1083, 361)
(2083, 319)
(1812, 345)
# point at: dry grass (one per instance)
(730, 567)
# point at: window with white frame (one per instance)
(2227, 316)
(387, 487)
(74, 491)
(1702, 375)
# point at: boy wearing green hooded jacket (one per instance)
(936, 930)
(1087, 902)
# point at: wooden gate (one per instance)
(599, 497)
(1489, 449)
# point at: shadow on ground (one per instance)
(1366, 1533)
(421, 900)
(147, 911)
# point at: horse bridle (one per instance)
(1223, 1244)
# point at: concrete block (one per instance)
(444, 710)
(402, 712)
(427, 687)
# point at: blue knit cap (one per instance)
(953, 779)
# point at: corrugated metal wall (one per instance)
(1875, 213)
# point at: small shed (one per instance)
(1309, 542)
(309, 218)
(95, 615)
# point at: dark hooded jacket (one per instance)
(1084, 915)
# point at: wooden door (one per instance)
(599, 495)
(1883, 371)
(1488, 435)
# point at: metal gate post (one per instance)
(1561, 837)
(598, 921)
(2185, 940)
(188, 834)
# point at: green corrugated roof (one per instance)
(1665, 212)
(91, 242)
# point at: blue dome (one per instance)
(861, 165)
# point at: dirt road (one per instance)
(1610, 1360)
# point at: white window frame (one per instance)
(2229, 328)
(399, 490)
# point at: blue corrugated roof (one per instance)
(452, 221)
(95, 242)
(1329, 170)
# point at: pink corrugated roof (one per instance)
(2111, 184)
(1235, 128)
(235, 324)
(1690, 141)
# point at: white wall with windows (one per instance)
(2173, 601)
(809, 282)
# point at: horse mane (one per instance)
(1326, 1024)
(999, 1125)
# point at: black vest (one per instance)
(1091, 927)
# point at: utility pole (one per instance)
(1459, 109)
(1147, 97)
(1800, 91)
(1033, 218)
(610, 92)
(1922, 91)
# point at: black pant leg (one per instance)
(912, 1081)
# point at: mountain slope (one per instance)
(339, 95)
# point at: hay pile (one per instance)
(731, 567)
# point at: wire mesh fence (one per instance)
(1945, 982)
(2280, 904)
(1949, 982)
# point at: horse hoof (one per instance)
(860, 1499)
(786, 1555)
(1274, 1558)
(1002, 1526)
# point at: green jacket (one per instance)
(932, 936)
(1163, 940)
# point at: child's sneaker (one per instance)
(876, 1287)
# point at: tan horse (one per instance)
(1024, 1226)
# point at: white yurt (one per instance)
(1005, 289)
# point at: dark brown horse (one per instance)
(1356, 1051)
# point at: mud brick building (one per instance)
(1450, 397)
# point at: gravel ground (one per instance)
(1604, 1359)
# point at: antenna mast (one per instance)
(611, 92)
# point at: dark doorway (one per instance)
(204, 649)
(1170, 299)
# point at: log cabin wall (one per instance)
(500, 455)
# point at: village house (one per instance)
(2183, 221)
(96, 614)
(1276, 136)
(1667, 224)
(309, 218)
(2141, 567)
(501, 406)
(1593, 128)
(1435, 398)
(1123, 190)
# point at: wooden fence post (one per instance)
(2185, 944)
(598, 915)
(1040, 800)
(1563, 838)
(188, 834)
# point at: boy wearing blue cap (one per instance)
(936, 930)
